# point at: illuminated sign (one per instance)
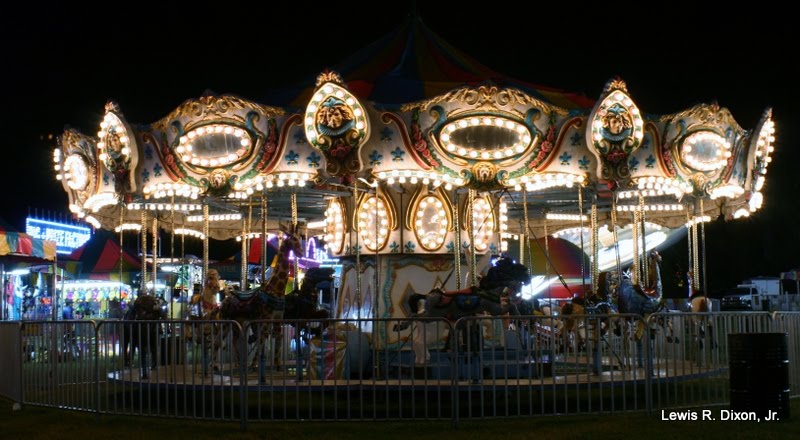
(67, 237)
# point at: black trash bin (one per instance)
(759, 373)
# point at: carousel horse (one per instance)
(266, 302)
(203, 311)
(597, 310)
(301, 305)
(144, 336)
(701, 324)
(642, 300)
(493, 297)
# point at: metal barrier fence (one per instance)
(384, 369)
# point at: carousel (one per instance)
(419, 193)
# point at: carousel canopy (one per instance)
(417, 148)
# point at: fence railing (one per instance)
(382, 369)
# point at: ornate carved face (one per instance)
(218, 179)
(334, 114)
(617, 120)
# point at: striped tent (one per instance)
(413, 63)
(18, 245)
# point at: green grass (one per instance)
(48, 423)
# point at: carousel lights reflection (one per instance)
(565, 217)
(417, 176)
(756, 199)
(258, 183)
(161, 190)
(97, 201)
(190, 232)
(373, 223)
(655, 186)
(729, 191)
(547, 180)
(128, 227)
(164, 206)
(697, 220)
(523, 137)
(92, 221)
(185, 147)
(656, 207)
(334, 225)
(482, 223)
(764, 148)
(700, 144)
(214, 217)
(431, 222)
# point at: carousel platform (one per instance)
(472, 372)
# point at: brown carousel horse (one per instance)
(493, 297)
(267, 302)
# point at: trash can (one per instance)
(759, 373)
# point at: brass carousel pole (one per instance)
(121, 244)
(635, 242)
(594, 245)
(357, 250)
(703, 277)
(143, 272)
(243, 262)
(583, 249)
(264, 236)
(643, 233)
(457, 238)
(155, 251)
(471, 229)
(295, 281)
(205, 241)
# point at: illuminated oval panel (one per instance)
(482, 223)
(76, 172)
(705, 151)
(334, 226)
(373, 223)
(214, 145)
(431, 223)
(485, 137)
(114, 147)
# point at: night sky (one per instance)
(62, 64)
